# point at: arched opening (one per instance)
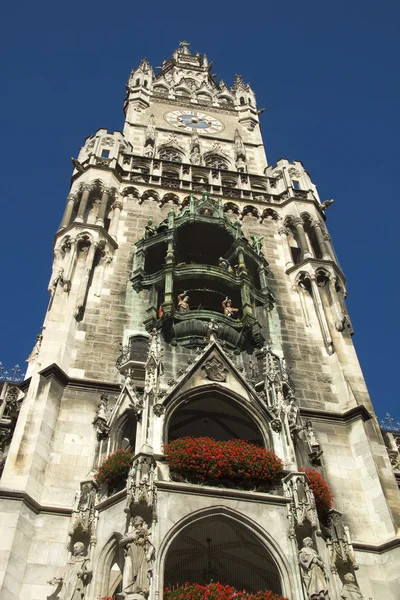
(214, 161)
(202, 243)
(294, 244)
(213, 415)
(123, 433)
(221, 549)
(312, 238)
(242, 100)
(170, 153)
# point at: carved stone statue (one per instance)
(229, 310)
(139, 553)
(313, 572)
(195, 156)
(183, 303)
(77, 575)
(350, 590)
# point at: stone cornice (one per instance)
(317, 262)
(204, 490)
(32, 504)
(377, 549)
(53, 371)
(87, 226)
(352, 414)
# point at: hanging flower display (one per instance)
(322, 493)
(114, 469)
(216, 591)
(205, 458)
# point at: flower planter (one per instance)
(216, 591)
(322, 493)
(234, 463)
(114, 470)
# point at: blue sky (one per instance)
(327, 74)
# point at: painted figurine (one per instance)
(183, 303)
(224, 264)
(229, 310)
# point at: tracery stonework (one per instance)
(196, 305)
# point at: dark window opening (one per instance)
(242, 100)
(216, 417)
(296, 254)
(202, 243)
(207, 295)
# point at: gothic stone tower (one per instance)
(183, 203)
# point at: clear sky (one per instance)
(327, 72)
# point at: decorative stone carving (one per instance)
(350, 589)
(107, 141)
(83, 517)
(302, 507)
(215, 370)
(138, 555)
(339, 542)
(77, 575)
(257, 243)
(159, 409)
(140, 484)
(276, 425)
(313, 572)
(101, 419)
(313, 444)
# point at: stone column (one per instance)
(103, 206)
(328, 245)
(298, 223)
(336, 306)
(83, 288)
(117, 207)
(321, 240)
(71, 199)
(86, 189)
(284, 232)
(321, 315)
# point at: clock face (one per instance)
(192, 119)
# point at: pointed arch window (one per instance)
(214, 161)
(170, 153)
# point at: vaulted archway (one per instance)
(221, 548)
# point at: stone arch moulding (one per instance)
(252, 409)
(262, 536)
(109, 554)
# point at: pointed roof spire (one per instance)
(239, 84)
(184, 48)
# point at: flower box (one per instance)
(233, 463)
(216, 591)
(322, 493)
(114, 470)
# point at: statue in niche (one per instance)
(350, 590)
(183, 303)
(77, 575)
(139, 553)
(240, 165)
(313, 572)
(225, 264)
(149, 230)
(87, 499)
(229, 310)
(195, 156)
(257, 243)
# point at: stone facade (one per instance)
(183, 202)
